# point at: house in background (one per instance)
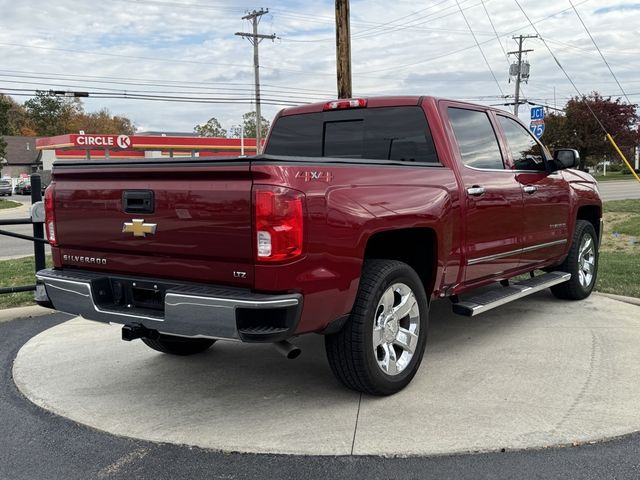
(21, 157)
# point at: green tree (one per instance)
(210, 129)
(50, 114)
(578, 128)
(249, 121)
(13, 117)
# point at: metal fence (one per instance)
(37, 220)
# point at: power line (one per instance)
(176, 89)
(400, 18)
(421, 20)
(388, 27)
(599, 51)
(47, 86)
(493, 27)
(169, 98)
(479, 48)
(420, 62)
(152, 82)
(561, 67)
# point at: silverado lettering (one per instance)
(359, 214)
(79, 259)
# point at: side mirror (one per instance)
(566, 158)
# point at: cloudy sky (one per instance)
(184, 50)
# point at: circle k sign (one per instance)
(123, 141)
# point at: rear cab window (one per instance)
(382, 133)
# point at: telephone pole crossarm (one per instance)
(251, 36)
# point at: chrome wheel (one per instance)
(586, 261)
(396, 329)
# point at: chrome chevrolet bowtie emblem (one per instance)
(139, 228)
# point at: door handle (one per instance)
(530, 189)
(475, 191)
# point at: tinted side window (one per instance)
(386, 133)
(399, 133)
(476, 139)
(527, 153)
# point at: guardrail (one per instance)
(37, 219)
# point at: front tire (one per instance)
(380, 348)
(174, 345)
(581, 263)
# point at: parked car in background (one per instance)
(23, 188)
(5, 188)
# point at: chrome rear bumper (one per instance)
(173, 308)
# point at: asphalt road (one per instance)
(619, 190)
(35, 444)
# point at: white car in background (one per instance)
(5, 187)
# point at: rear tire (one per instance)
(174, 345)
(581, 263)
(380, 348)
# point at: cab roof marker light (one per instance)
(346, 103)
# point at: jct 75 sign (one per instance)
(537, 121)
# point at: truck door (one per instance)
(493, 200)
(545, 195)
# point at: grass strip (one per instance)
(8, 204)
(14, 273)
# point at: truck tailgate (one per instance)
(197, 226)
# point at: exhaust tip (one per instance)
(294, 353)
(287, 349)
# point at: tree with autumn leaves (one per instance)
(48, 115)
(577, 128)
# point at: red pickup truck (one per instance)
(359, 213)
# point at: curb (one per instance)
(23, 312)
(621, 298)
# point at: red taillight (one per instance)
(346, 103)
(279, 223)
(49, 216)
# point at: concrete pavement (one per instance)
(36, 445)
(534, 373)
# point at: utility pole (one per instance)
(519, 69)
(255, 39)
(343, 49)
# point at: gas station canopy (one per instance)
(135, 146)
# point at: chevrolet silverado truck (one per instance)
(359, 214)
